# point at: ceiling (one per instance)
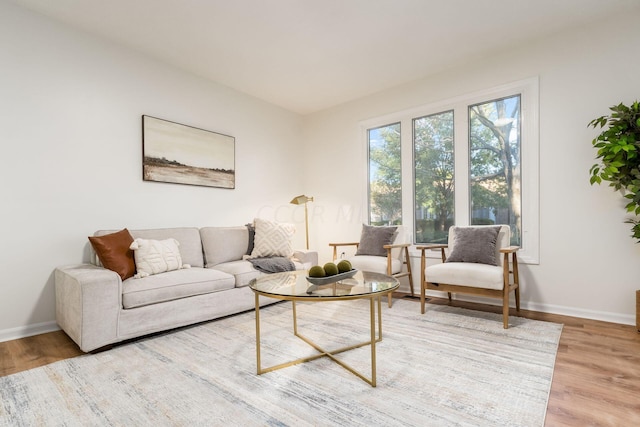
(309, 55)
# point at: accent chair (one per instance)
(475, 261)
(381, 249)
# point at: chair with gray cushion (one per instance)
(381, 250)
(476, 261)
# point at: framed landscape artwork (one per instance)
(182, 154)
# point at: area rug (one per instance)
(448, 367)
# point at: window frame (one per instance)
(528, 89)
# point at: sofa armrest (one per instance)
(306, 257)
(88, 303)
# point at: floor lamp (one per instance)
(302, 200)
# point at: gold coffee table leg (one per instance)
(373, 338)
(330, 354)
(258, 334)
(379, 318)
(295, 318)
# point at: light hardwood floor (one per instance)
(596, 381)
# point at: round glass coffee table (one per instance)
(294, 286)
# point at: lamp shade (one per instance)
(301, 200)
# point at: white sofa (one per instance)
(96, 308)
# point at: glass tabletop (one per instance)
(294, 285)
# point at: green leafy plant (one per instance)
(618, 148)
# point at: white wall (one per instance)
(70, 132)
(589, 266)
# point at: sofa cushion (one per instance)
(375, 263)
(224, 244)
(174, 285)
(114, 253)
(189, 238)
(466, 274)
(244, 271)
(156, 256)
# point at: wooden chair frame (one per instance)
(406, 261)
(509, 268)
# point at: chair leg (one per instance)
(516, 279)
(389, 273)
(505, 308)
(505, 315)
(423, 265)
(408, 262)
(449, 294)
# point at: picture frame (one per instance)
(181, 154)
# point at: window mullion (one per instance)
(406, 141)
(461, 144)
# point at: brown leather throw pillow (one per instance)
(114, 253)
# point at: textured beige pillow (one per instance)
(156, 256)
(272, 239)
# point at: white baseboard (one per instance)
(624, 319)
(28, 331)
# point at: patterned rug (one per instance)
(448, 367)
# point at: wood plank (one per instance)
(38, 350)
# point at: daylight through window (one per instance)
(385, 175)
(494, 166)
(461, 162)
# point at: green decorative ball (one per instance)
(344, 266)
(330, 269)
(317, 271)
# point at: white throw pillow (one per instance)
(156, 256)
(272, 239)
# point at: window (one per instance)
(385, 175)
(494, 165)
(434, 176)
(470, 160)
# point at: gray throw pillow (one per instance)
(373, 238)
(252, 237)
(475, 244)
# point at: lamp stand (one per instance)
(303, 200)
(306, 223)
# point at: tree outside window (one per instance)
(385, 175)
(434, 177)
(494, 167)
